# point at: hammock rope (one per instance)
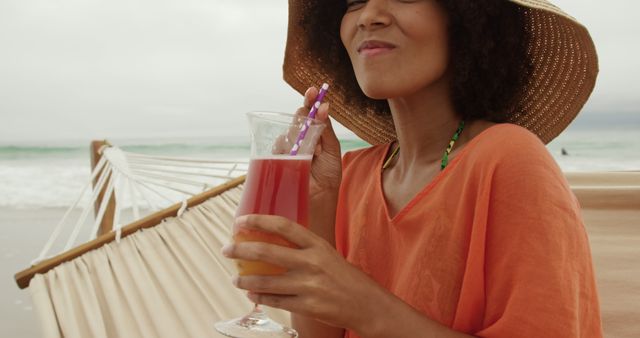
(140, 183)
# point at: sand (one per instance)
(23, 234)
(611, 210)
(615, 246)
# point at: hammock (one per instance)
(161, 276)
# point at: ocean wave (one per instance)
(18, 152)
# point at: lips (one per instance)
(373, 47)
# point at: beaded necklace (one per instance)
(445, 157)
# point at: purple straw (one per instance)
(312, 115)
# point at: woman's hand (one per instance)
(318, 283)
(326, 172)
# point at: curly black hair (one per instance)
(488, 41)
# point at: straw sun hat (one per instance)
(564, 72)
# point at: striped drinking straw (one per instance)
(311, 116)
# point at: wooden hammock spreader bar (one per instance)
(24, 277)
(107, 219)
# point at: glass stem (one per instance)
(257, 312)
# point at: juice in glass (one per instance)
(275, 185)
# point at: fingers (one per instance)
(285, 302)
(282, 226)
(277, 285)
(328, 140)
(323, 115)
(309, 100)
(302, 111)
(323, 112)
(281, 145)
(263, 252)
(310, 97)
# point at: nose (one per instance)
(375, 14)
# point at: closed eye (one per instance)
(355, 4)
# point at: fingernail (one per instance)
(240, 221)
(226, 250)
(252, 296)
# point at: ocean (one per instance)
(52, 175)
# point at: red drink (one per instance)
(276, 185)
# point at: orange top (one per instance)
(494, 246)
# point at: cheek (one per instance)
(441, 41)
(433, 53)
(438, 53)
(344, 31)
(347, 34)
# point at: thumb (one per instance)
(328, 140)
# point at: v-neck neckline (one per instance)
(428, 187)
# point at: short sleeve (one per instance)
(539, 279)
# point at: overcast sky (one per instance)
(85, 69)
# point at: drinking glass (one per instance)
(277, 184)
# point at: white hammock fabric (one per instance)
(170, 280)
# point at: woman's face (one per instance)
(396, 47)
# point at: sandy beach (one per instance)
(611, 210)
(24, 233)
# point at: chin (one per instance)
(377, 90)
(381, 90)
(375, 93)
(379, 87)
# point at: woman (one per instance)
(457, 222)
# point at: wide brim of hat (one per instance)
(565, 67)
